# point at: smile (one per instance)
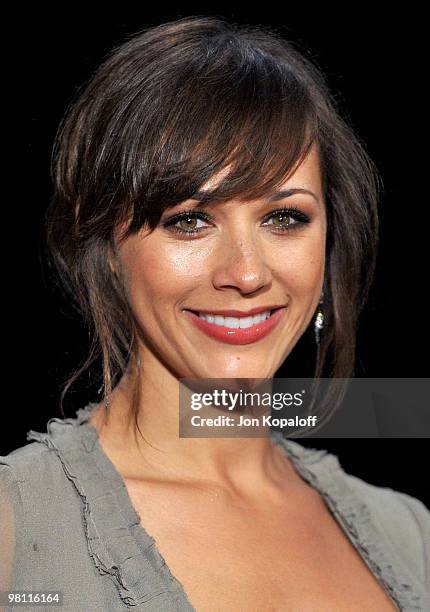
(235, 322)
(236, 330)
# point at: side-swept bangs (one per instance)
(167, 110)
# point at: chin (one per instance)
(238, 370)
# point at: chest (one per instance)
(230, 556)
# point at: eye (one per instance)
(284, 220)
(186, 222)
(287, 219)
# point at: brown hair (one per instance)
(169, 107)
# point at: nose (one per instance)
(241, 264)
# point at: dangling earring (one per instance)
(319, 320)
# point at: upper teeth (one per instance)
(235, 322)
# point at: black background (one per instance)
(374, 64)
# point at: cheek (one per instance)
(300, 264)
(159, 273)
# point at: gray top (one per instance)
(76, 530)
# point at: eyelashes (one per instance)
(281, 216)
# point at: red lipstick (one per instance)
(232, 335)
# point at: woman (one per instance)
(204, 169)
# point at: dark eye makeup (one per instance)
(300, 220)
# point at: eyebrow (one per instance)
(274, 197)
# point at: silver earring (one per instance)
(319, 320)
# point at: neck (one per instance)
(236, 463)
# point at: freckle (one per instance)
(35, 547)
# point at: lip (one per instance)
(237, 336)
(240, 313)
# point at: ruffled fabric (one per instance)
(117, 542)
(121, 548)
(322, 471)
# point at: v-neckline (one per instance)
(120, 544)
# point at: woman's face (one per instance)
(243, 257)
